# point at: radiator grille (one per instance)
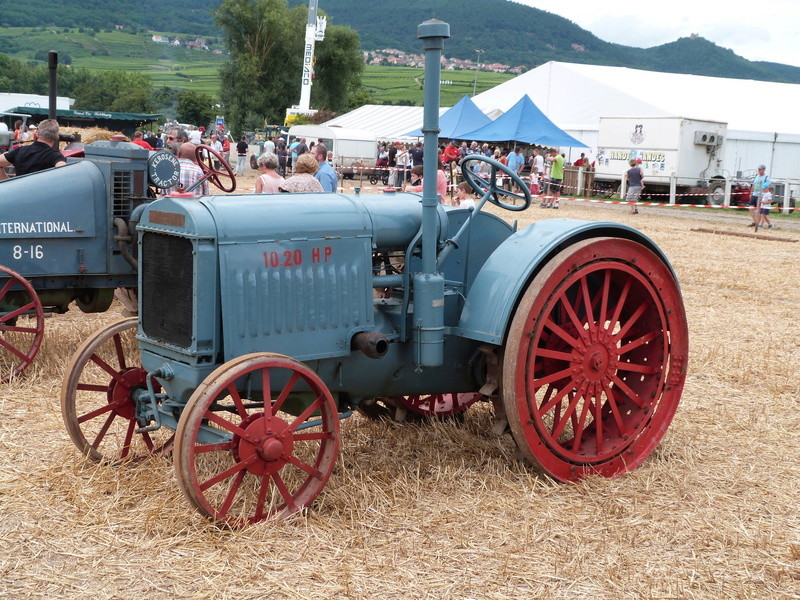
(167, 271)
(122, 191)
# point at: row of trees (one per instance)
(262, 78)
(118, 91)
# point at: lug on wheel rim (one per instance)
(97, 398)
(21, 327)
(600, 360)
(241, 456)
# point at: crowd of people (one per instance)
(302, 167)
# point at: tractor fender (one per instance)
(499, 285)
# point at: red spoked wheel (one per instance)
(244, 455)
(438, 405)
(595, 361)
(206, 156)
(97, 401)
(21, 324)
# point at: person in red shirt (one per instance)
(451, 152)
(138, 139)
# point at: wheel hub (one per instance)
(268, 444)
(120, 388)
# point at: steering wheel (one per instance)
(484, 186)
(205, 156)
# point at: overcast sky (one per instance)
(754, 29)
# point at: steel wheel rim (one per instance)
(266, 467)
(96, 398)
(438, 405)
(595, 390)
(19, 342)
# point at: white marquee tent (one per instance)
(576, 96)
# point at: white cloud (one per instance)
(765, 30)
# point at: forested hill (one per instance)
(509, 33)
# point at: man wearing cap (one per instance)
(38, 156)
(759, 183)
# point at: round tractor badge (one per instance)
(163, 169)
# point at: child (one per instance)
(464, 195)
(765, 204)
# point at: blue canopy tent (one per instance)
(523, 123)
(462, 117)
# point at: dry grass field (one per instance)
(445, 510)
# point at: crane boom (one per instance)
(315, 32)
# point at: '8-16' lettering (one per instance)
(37, 251)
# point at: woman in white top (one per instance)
(269, 180)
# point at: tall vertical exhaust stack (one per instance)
(52, 63)
(428, 329)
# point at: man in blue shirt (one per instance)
(761, 180)
(325, 174)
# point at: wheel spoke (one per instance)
(604, 298)
(307, 437)
(304, 466)
(551, 325)
(6, 287)
(126, 446)
(632, 396)
(623, 296)
(552, 377)
(285, 392)
(102, 410)
(307, 412)
(576, 322)
(573, 403)
(237, 400)
(103, 430)
(612, 403)
(623, 330)
(226, 504)
(547, 405)
(120, 352)
(632, 345)
(285, 493)
(227, 425)
(646, 369)
(13, 349)
(579, 428)
(205, 448)
(17, 329)
(91, 387)
(587, 304)
(598, 420)
(18, 311)
(266, 392)
(105, 366)
(262, 497)
(243, 464)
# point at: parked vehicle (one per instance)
(353, 149)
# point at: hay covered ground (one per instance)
(444, 510)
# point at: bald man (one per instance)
(191, 173)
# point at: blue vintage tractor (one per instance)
(265, 320)
(68, 234)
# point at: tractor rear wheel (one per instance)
(595, 360)
(97, 401)
(21, 324)
(240, 456)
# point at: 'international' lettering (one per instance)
(35, 227)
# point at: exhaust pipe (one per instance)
(372, 343)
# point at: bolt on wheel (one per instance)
(21, 324)
(595, 361)
(257, 440)
(97, 402)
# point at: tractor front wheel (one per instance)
(257, 440)
(97, 401)
(21, 324)
(595, 360)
